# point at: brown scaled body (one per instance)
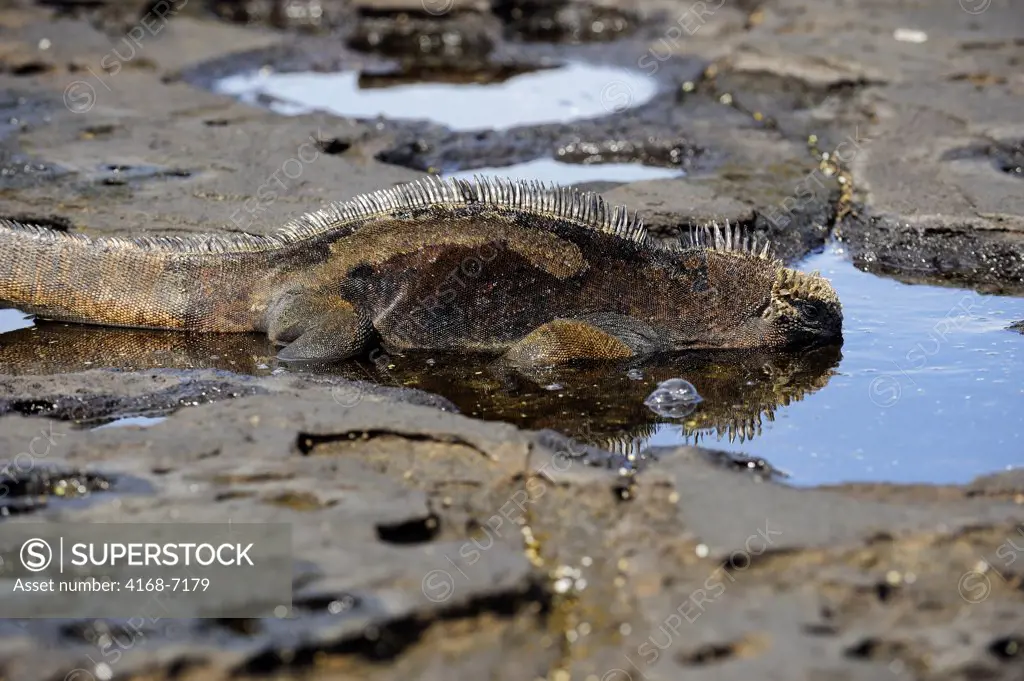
(541, 275)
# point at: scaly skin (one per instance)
(544, 276)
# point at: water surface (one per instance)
(927, 387)
(13, 319)
(136, 421)
(930, 388)
(556, 95)
(549, 170)
(550, 95)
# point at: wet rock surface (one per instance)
(430, 541)
(430, 544)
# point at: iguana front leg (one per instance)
(597, 337)
(317, 326)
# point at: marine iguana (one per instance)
(544, 275)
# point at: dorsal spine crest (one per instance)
(728, 239)
(583, 209)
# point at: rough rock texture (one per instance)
(455, 547)
(429, 544)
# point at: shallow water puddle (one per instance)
(549, 170)
(137, 421)
(930, 388)
(927, 387)
(11, 320)
(556, 95)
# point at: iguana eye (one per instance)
(806, 309)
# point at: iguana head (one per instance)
(757, 302)
(803, 310)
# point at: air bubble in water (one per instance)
(674, 398)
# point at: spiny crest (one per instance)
(732, 426)
(791, 283)
(731, 239)
(583, 209)
(629, 443)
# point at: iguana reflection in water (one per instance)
(600, 405)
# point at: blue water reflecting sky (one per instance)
(13, 319)
(930, 388)
(570, 92)
(549, 170)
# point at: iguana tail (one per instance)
(150, 282)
